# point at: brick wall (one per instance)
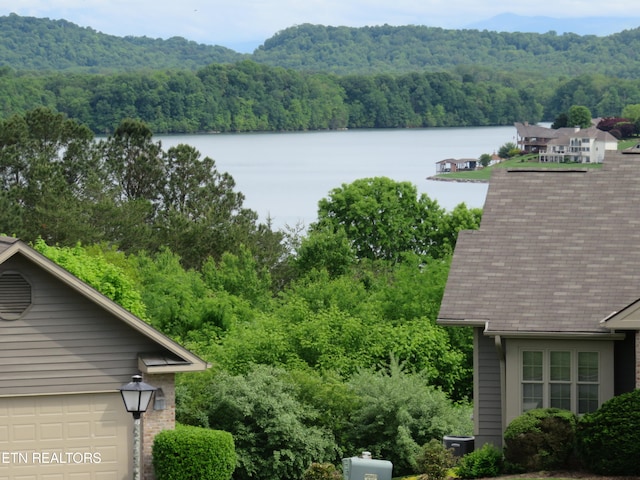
(154, 421)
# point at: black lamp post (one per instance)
(136, 396)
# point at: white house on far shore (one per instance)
(580, 146)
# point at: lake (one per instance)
(284, 175)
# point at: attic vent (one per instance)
(15, 295)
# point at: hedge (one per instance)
(193, 453)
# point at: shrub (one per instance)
(485, 462)
(399, 413)
(540, 439)
(608, 440)
(193, 453)
(274, 433)
(434, 460)
(321, 471)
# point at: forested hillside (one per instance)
(251, 97)
(28, 43)
(419, 48)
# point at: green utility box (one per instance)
(366, 468)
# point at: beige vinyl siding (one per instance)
(487, 391)
(64, 342)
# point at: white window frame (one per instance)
(514, 371)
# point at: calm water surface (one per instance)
(284, 175)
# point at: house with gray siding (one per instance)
(550, 285)
(65, 350)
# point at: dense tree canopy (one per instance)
(62, 186)
(579, 116)
(247, 96)
(250, 97)
(314, 77)
(28, 43)
(384, 219)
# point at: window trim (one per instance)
(514, 378)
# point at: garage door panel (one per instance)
(23, 432)
(65, 437)
(51, 431)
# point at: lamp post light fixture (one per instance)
(136, 396)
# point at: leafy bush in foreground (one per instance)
(399, 413)
(608, 440)
(434, 461)
(322, 471)
(192, 453)
(484, 462)
(274, 433)
(540, 439)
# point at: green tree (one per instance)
(134, 162)
(508, 150)
(460, 218)
(485, 159)
(579, 116)
(239, 275)
(561, 121)
(202, 215)
(398, 413)
(325, 249)
(95, 269)
(632, 112)
(48, 173)
(175, 297)
(273, 431)
(382, 218)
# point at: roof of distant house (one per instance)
(591, 132)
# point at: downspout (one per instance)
(503, 380)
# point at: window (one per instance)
(588, 380)
(567, 379)
(532, 380)
(576, 375)
(15, 295)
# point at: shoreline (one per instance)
(459, 180)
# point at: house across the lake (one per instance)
(576, 145)
(550, 285)
(587, 145)
(451, 165)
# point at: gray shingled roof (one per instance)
(534, 131)
(557, 251)
(6, 242)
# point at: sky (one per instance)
(243, 25)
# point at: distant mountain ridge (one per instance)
(600, 26)
(33, 44)
(29, 43)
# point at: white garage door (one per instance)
(65, 437)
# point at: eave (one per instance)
(188, 360)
